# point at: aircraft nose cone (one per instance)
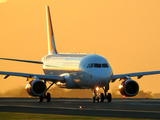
(102, 76)
(103, 73)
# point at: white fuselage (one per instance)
(80, 70)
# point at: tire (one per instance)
(109, 97)
(93, 100)
(97, 100)
(40, 99)
(101, 97)
(48, 97)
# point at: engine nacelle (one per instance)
(129, 88)
(36, 88)
(69, 81)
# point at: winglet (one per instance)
(50, 35)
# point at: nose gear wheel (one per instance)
(102, 96)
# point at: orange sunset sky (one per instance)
(126, 32)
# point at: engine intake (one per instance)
(36, 88)
(129, 88)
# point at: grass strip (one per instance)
(32, 116)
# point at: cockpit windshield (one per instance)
(105, 65)
(97, 65)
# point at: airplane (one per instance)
(75, 71)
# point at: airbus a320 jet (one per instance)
(75, 71)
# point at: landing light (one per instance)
(28, 86)
(97, 88)
(58, 83)
(120, 86)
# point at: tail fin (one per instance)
(50, 35)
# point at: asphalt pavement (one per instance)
(121, 108)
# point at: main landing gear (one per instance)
(102, 96)
(47, 96)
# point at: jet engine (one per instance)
(36, 88)
(129, 88)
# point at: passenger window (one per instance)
(105, 65)
(96, 65)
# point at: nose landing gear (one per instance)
(95, 97)
(102, 96)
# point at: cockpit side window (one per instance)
(88, 65)
(91, 65)
(105, 65)
(97, 65)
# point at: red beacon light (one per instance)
(124, 96)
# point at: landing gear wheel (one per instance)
(93, 99)
(101, 97)
(48, 97)
(40, 99)
(109, 97)
(97, 100)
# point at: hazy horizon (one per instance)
(76, 93)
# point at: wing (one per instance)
(29, 61)
(138, 75)
(53, 78)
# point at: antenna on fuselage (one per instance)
(51, 42)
